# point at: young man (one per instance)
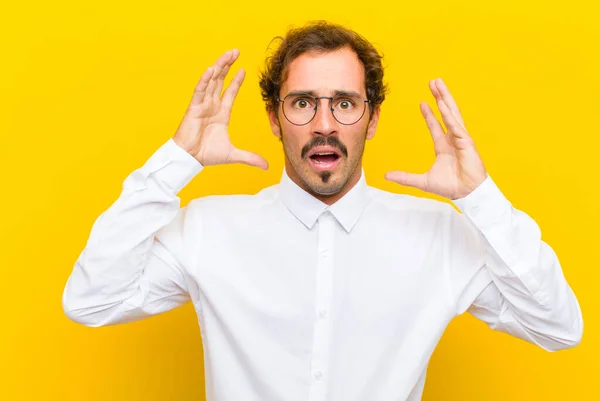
(321, 287)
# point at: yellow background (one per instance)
(91, 90)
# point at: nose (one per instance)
(324, 123)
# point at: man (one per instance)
(321, 287)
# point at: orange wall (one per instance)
(90, 91)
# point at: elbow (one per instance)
(95, 311)
(576, 340)
(565, 323)
(571, 338)
(575, 330)
(565, 343)
(575, 334)
(77, 314)
(77, 318)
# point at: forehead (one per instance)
(325, 72)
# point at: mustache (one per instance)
(333, 141)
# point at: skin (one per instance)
(203, 132)
(324, 73)
(458, 168)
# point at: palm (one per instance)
(203, 131)
(442, 174)
(212, 120)
(455, 158)
(458, 168)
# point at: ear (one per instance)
(274, 122)
(373, 123)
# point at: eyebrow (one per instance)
(314, 93)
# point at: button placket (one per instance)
(323, 299)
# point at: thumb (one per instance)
(249, 158)
(418, 181)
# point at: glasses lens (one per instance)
(299, 108)
(348, 108)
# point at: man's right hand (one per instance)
(203, 131)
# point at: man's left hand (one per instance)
(458, 168)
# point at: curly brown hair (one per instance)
(321, 36)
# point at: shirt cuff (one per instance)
(485, 205)
(170, 165)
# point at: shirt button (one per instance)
(318, 375)
(322, 314)
(325, 252)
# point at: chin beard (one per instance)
(326, 191)
(325, 176)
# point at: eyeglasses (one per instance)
(300, 108)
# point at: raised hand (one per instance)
(203, 132)
(458, 168)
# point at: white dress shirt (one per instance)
(301, 301)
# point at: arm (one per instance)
(520, 289)
(497, 260)
(133, 265)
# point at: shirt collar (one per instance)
(307, 208)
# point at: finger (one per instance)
(451, 123)
(434, 90)
(217, 68)
(221, 80)
(438, 96)
(408, 179)
(446, 96)
(200, 89)
(434, 126)
(249, 158)
(212, 83)
(232, 90)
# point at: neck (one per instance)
(327, 199)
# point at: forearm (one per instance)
(109, 270)
(530, 297)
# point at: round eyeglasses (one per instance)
(300, 108)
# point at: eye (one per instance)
(302, 103)
(344, 104)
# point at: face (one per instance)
(326, 177)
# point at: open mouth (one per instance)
(324, 160)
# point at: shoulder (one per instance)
(407, 203)
(232, 202)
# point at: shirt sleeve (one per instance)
(506, 276)
(133, 263)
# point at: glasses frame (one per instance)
(316, 108)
